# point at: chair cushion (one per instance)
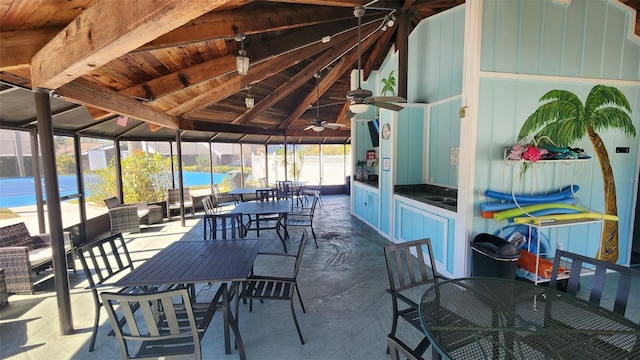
(43, 255)
(16, 235)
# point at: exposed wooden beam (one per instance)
(200, 125)
(224, 24)
(381, 46)
(342, 116)
(18, 47)
(339, 69)
(312, 134)
(87, 43)
(222, 87)
(87, 93)
(299, 79)
(226, 65)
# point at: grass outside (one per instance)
(7, 214)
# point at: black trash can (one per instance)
(493, 257)
(347, 185)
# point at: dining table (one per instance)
(239, 193)
(192, 262)
(492, 318)
(262, 208)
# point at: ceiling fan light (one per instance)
(242, 62)
(358, 108)
(317, 128)
(249, 101)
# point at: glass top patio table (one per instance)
(487, 318)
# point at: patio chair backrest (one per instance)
(229, 225)
(602, 271)
(263, 182)
(107, 258)
(112, 202)
(265, 195)
(163, 322)
(173, 195)
(403, 269)
(209, 208)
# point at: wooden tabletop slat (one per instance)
(196, 262)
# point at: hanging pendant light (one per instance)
(242, 61)
(249, 101)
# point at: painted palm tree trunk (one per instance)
(609, 243)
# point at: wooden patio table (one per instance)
(239, 193)
(190, 262)
(258, 208)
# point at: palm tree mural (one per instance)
(564, 119)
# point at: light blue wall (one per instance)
(444, 130)
(585, 39)
(385, 180)
(409, 149)
(435, 57)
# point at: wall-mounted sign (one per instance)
(371, 154)
(386, 164)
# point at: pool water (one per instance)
(20, 191)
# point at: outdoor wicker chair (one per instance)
(173, 201)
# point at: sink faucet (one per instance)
(451, 192)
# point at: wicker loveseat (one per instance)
(23, 256)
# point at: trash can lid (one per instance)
(495, 246)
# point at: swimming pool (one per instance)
(20, 191)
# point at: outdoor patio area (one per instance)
(342, 283)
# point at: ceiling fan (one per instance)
(362, 98)
(319, 124)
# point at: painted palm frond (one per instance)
(563, 120)
(388, 84)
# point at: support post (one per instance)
(45, 129)
(180, 182)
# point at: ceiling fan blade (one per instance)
(324, 105)
(309, 127)
(334, 126)
(386, 105)
(337, 98)
(350, 114)
(388, 98)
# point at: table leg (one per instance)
(282, 224)
(232, 320)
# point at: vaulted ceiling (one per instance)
(170, 64)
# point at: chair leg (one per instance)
(300, 298)
(314, 236)
(295, 320)
(95, 327)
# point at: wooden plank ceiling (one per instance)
(171, 63)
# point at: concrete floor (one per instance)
(342, 283)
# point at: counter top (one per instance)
(440, 196)
(369, 182)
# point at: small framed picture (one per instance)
(386, 164)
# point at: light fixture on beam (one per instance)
(242, 61)
(249, 101)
